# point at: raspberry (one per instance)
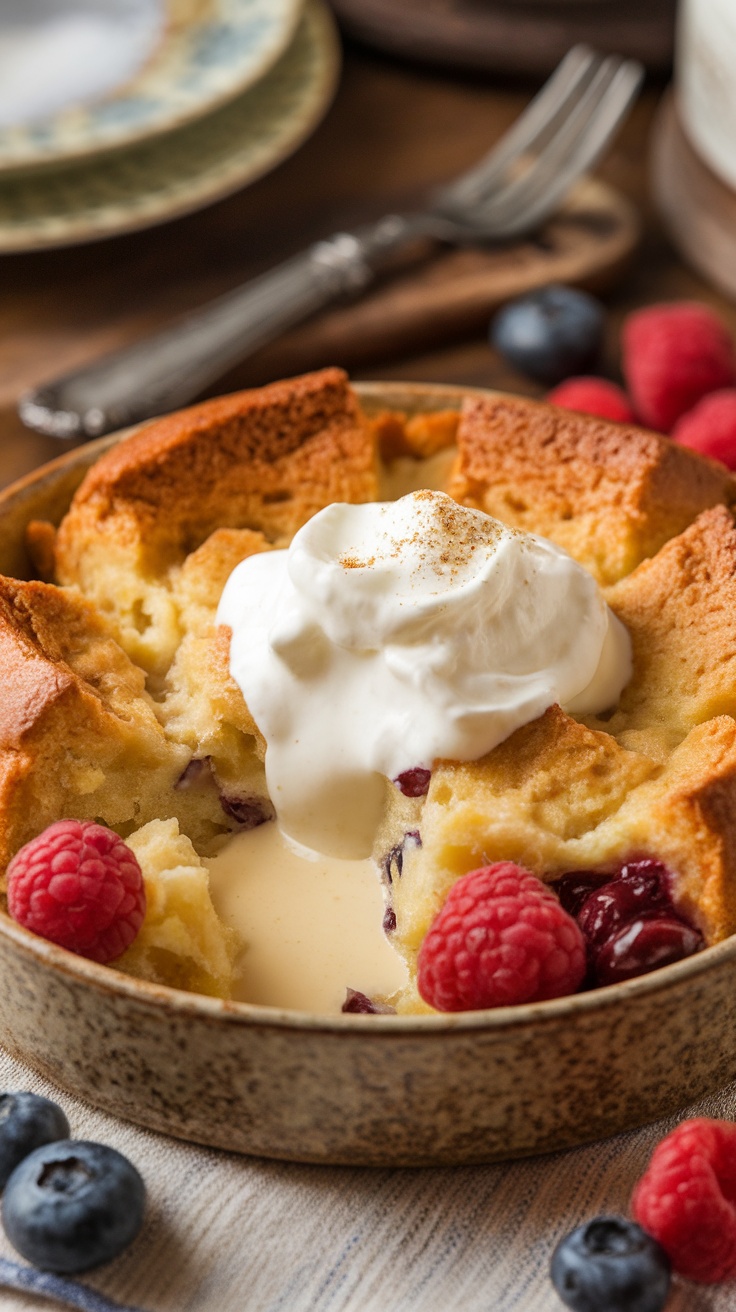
(710, 427)
(594, 396)
(687, 1199)
(501, 938)
(672, 356)
(78, 885)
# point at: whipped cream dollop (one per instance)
(391, 634)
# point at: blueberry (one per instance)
(550, 334)
(26, 1121)
(73, 1204)
(611, 1265)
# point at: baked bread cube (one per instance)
(680, 611)
(263, 461)
(610, 494)
(79, 734)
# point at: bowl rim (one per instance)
(113, 983)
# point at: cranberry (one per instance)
(645, 865)
(248, 812)
(573, 889)
(357, 1004)
(389, 920)
(644, 945)
(393, 862)
(617, 903)
(192, 773)
(414, 783)
(628, 919)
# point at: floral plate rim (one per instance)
(163, 179)
(206, 55)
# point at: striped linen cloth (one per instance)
(233, 1234)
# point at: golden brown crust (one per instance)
(692, 815)
(611, 494)
(34, 620)
(264, 459)
(680, 610)
(260, 462)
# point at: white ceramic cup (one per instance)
(706, 81)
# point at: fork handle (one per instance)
(170, 368)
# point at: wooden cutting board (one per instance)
(511, 36)
(453, 293)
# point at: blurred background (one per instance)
(157, 153)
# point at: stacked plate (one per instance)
(209, 95)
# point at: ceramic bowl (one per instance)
(203, 55)
(376, 1090)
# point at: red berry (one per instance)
(501, 938)
(643, 945)
(687, 1199)
(710, 427)
(621, 901)
(78, 885)
(594, 396)
(672, 356)
(414, 783)
(574, 888)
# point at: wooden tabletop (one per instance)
(393, 130)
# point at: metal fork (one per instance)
(518, 184)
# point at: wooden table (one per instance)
(392, 131)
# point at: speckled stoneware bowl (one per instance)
(377, 1090)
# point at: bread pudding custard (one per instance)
(121, 706)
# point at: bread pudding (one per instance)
(123, 708)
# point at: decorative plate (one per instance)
(208, 52)
(511, 36)
(187, 169)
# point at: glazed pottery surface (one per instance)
(375, 1090)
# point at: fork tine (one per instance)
(552, 188)
(573, 126)
(574, 148)
(533, 126)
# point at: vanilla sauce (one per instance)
(311, 925)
